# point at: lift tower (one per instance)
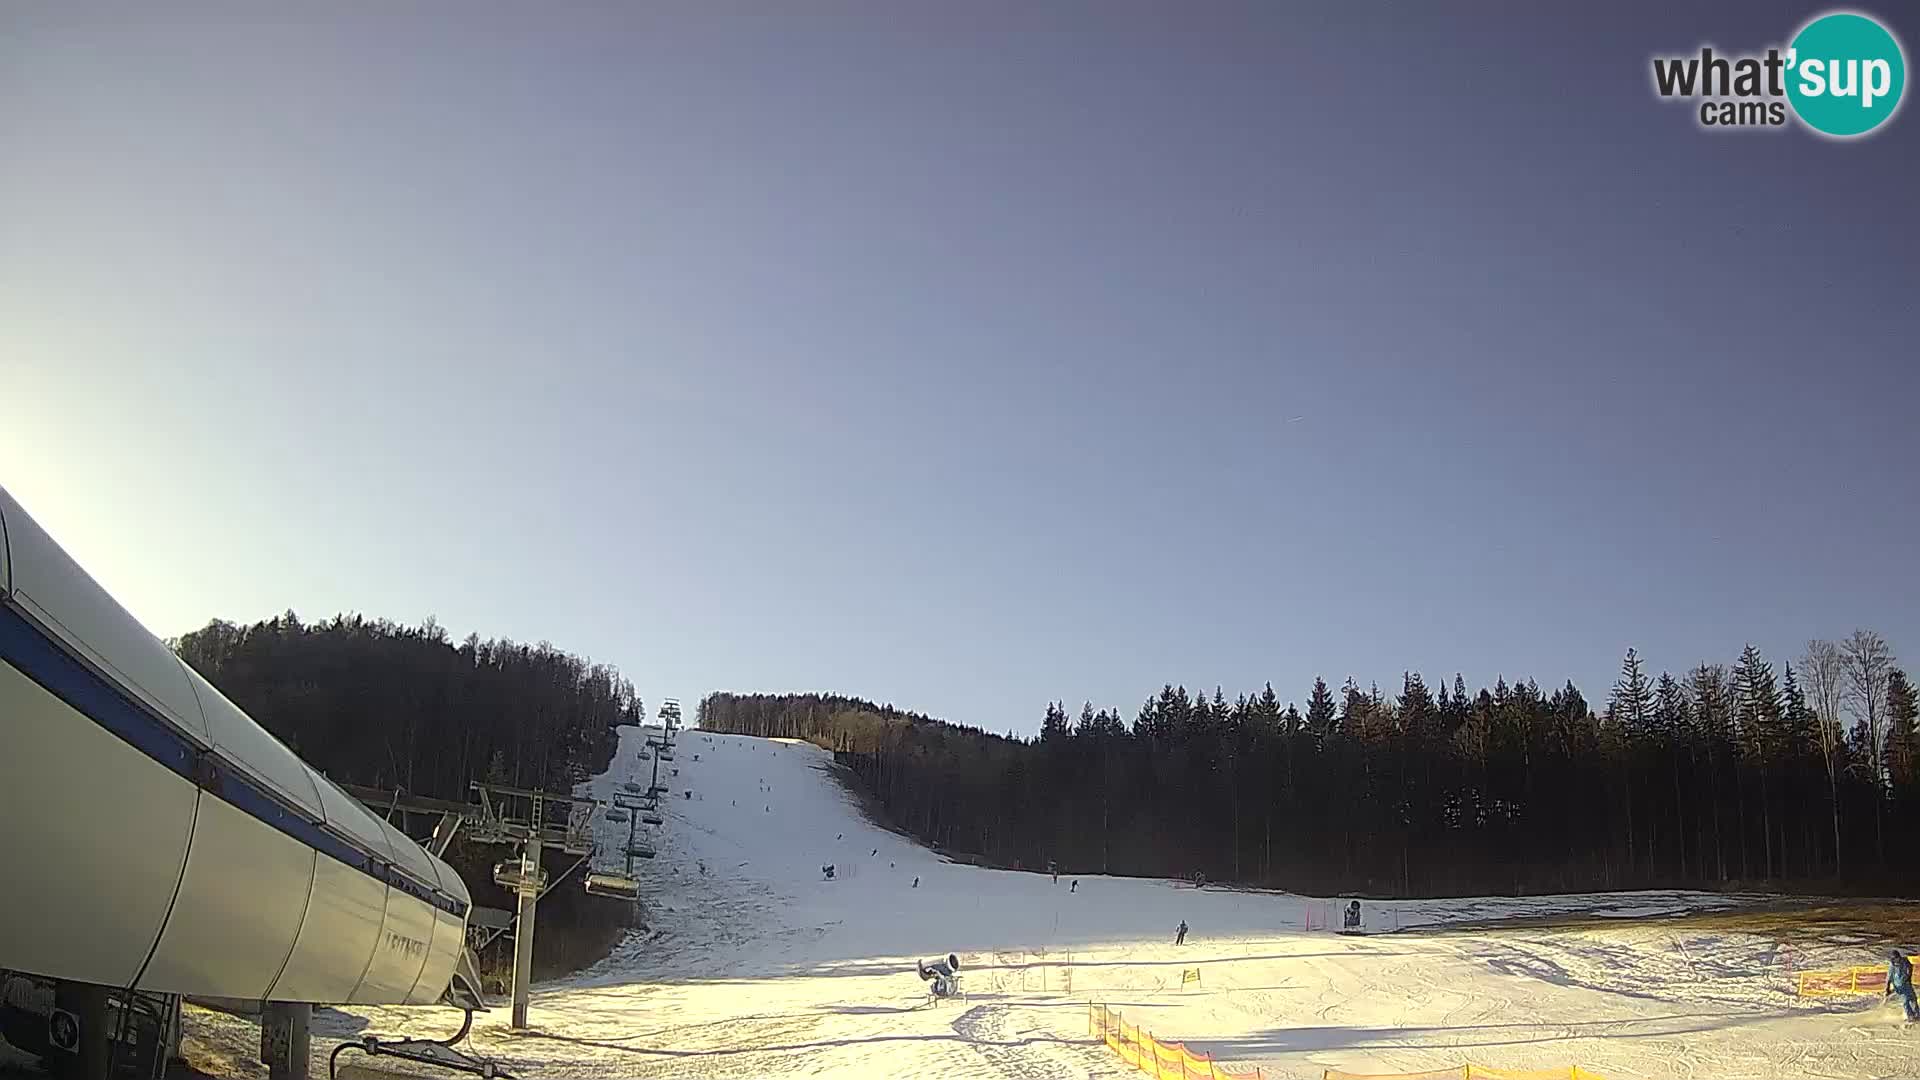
(511, 815)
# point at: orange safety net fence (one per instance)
(1161, 1060)
(1845, 982)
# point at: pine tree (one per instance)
(1799, 728)
(1320, 711)
(1418, 712)
(1355, 707)
(1054, 729)
(1757, 701)
(1708, 684)
(1631, 709)
(1267, 711)
(1631, 705)
(1675, 727)
(1902, 748)
(1800, 754)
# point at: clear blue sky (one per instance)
(962, 355)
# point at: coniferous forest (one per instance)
(1799, 775)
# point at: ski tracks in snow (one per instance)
(1014, 1051)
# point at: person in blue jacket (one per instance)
(1900, 982)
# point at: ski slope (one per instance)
(752, 964)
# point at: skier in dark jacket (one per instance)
(1900, 982)
(1180, 935)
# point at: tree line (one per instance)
(1802, 776)
(374, 702)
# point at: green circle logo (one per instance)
(1845, 74)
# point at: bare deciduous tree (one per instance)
(1825, 673)
(1867, 660)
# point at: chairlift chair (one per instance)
(516, 874)
(617, 815)
(615, 886)
(640, 851)
(650, 819)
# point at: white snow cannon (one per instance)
(943, 972)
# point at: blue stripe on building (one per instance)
(27, 650)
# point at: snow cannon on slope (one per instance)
(1350, 919)
(943, 972)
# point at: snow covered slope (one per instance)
(754, 964)
(765, 816)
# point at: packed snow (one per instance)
(754, 963)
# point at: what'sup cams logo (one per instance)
(1843, 75)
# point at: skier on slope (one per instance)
(1180, 934)
(1900, 982)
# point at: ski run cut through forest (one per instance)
(754, 963)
